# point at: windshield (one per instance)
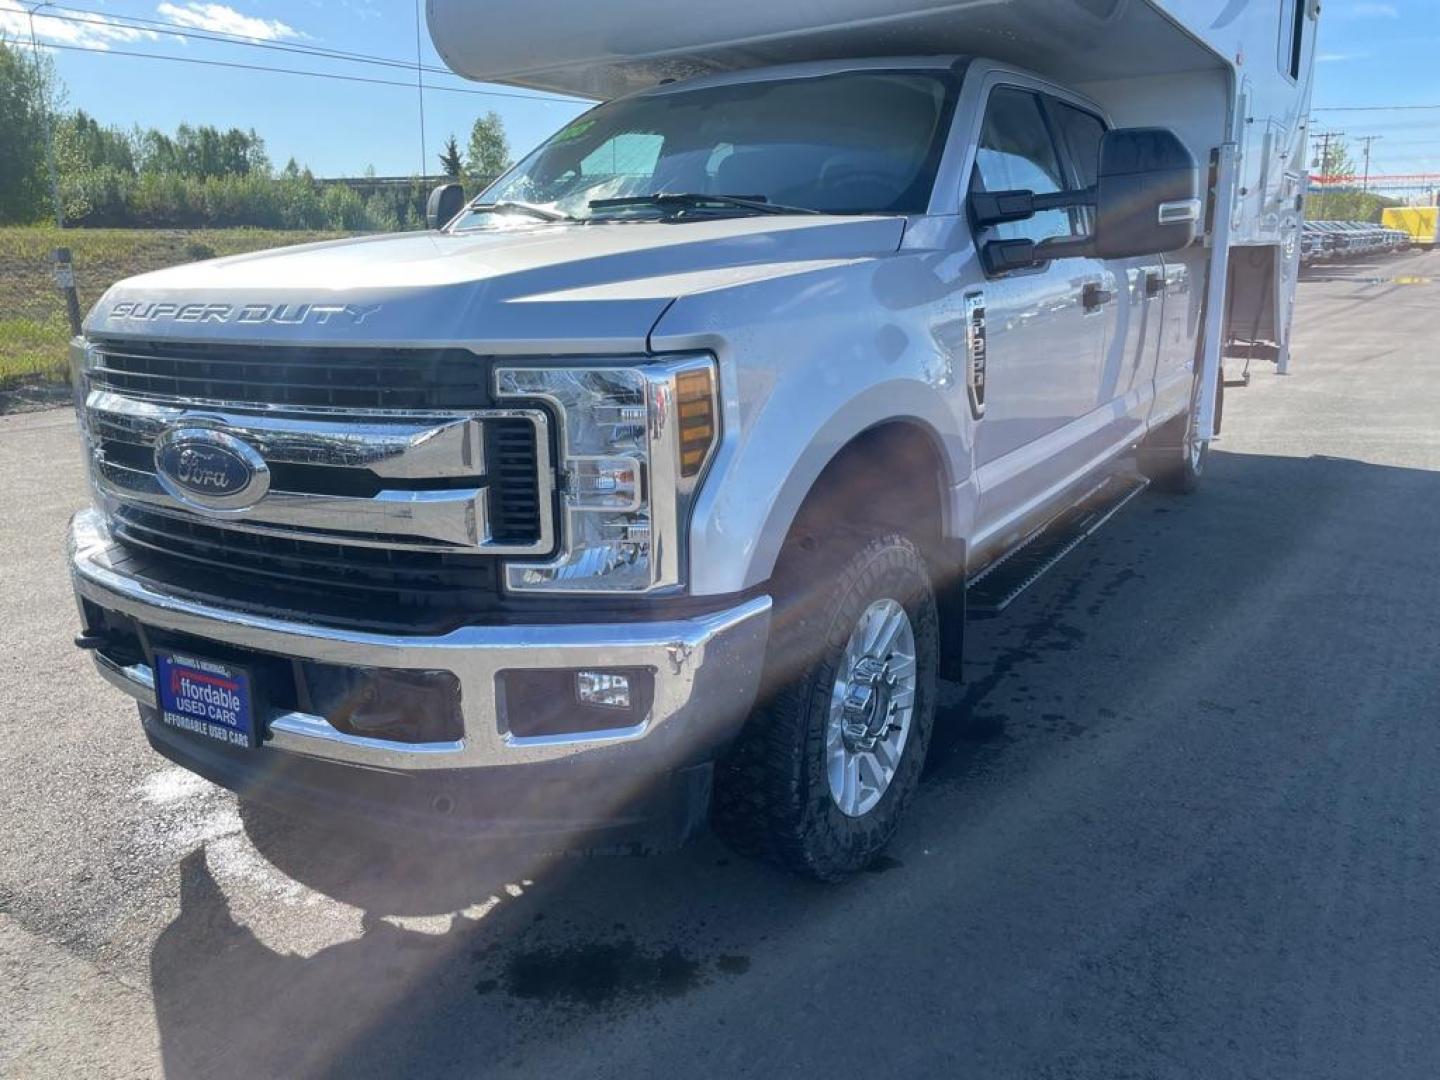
(862, 142)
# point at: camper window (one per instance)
(1292, 36)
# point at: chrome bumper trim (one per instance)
(707, 670)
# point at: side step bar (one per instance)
(998, 586)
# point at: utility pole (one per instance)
(1367, 140)
(1324, 160)
(420, 95)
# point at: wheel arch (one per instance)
(920, 508)
(867, 465)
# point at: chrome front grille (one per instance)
(410, 480)
(397, 500)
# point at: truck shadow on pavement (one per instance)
(542, 960)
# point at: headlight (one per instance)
(84, 358)
(634, 442)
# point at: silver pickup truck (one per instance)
(653, 486)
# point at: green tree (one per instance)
(489, 154)
(22, 135)
(195, 177)
(451, 163)
(1335, 159)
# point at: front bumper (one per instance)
(707, 674)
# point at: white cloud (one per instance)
(222, 19)
(1373, 11)
(1336, 57)
(87, 30)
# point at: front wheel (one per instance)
(826, 766)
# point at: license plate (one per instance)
(205, 697)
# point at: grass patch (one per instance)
(33, 326)
(30, 347)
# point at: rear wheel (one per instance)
(826, 766)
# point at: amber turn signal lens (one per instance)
(695, 401)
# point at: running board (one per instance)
(998, 586)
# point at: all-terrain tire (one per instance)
(772, 793)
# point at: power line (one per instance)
(297, 71)
(141, 25)
(225, 37)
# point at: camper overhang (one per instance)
(1133, 57)
(608, 50)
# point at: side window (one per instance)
(1016, 151)
(1082, 132)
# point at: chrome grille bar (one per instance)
(425, 520)
(402, 451)
(441, 447)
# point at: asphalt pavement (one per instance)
(1189, 829)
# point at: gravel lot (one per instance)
(1190, 830)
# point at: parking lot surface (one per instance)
(1189, 828)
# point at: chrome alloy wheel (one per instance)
(871, 706)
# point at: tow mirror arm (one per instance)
(999, 207)
(1006, 256)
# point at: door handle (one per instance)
(1154, 285)
(1094, 297)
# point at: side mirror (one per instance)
(1147, 198)
(444, 203)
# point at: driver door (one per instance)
(1046, 331)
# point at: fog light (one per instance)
(380, 703)
(549, 703)
(603, 688)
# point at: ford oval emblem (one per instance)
(210, 469)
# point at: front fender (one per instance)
(826, 359)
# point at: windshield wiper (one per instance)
(757, 204)
(511, 207)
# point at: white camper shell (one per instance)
(1232, 78)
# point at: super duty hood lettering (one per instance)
(285, 314)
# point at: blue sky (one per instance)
(1370, 53)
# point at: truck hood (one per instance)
(533, 289)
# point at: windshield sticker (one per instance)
(574, 131)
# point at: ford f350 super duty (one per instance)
(654, 486)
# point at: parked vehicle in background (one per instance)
(1420, 224)
(658, 483)
(1322, 240)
